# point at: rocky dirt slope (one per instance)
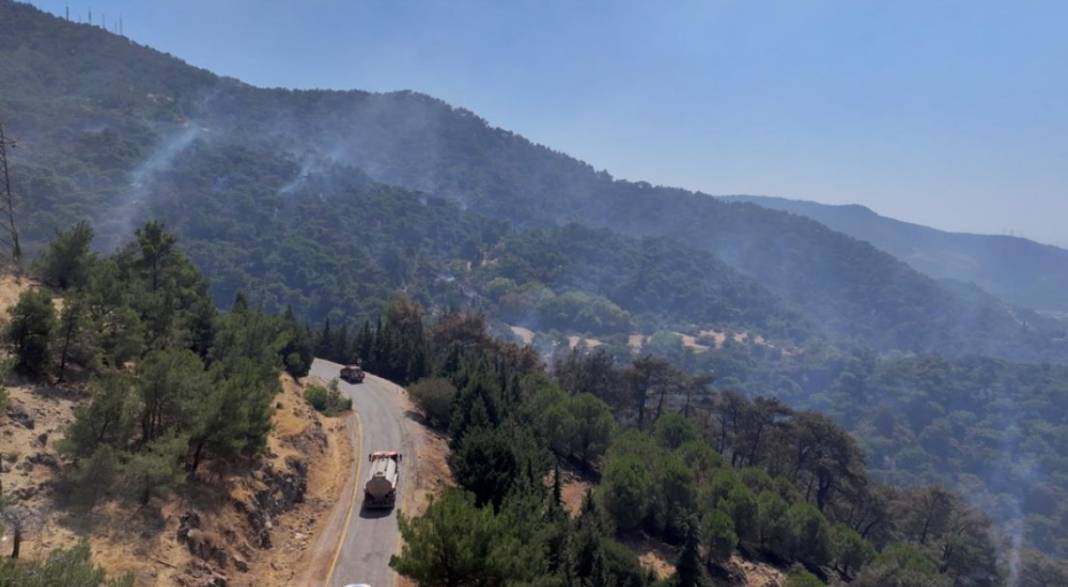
(245, 527)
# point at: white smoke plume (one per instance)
(120, 217)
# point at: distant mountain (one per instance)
(1015, 269)
(280, 191)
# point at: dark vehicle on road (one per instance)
(353, 372)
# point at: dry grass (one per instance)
(329, 455)
(431, 471)
(636, 341)
(525, 334)
(655, 556)
(690, 342)
(11, 289)
(573, 490)
(144, 542)
(590, 343)
(756, 574)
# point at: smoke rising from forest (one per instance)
(121, 219)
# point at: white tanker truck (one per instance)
(381, 488)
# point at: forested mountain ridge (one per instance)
(415, 141)
(105, 121)
(1015, 269)
(332, 201)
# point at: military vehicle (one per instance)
(353, 372)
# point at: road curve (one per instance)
(369, 537)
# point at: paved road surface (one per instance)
(370, 537)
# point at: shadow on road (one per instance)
(373, 514)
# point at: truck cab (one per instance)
(353, 372)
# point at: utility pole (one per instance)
(10, 241)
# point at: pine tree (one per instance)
(588, 563)
(365, 341)
(202, 327)
(108, 419)
(298, 353)
(67, 262)
(557, 502)
(487, 464)
(93, 478)
(174, 391)
(75, 342)
(342, 346)
(557, 525)
(29, 334)
(720, 536)
(449, 545)
(158, 253)
(688, 569)
(324, 346)
(154, 470)
(240, 304)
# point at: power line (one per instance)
(11, 242)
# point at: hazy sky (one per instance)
(952, 114)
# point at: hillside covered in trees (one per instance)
(708, 472)
(174, 384)
(328, 203)
(169, 390)
(1015, 269)
(123, 134)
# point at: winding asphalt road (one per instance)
(368, 538)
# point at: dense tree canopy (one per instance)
(200, 385)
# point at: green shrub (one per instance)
(625, 489)
(745, 511)
(93, 478)
(802, 578)
(70, 568)
(906, 565)
(29, 333)
(811, 534)
(772, 523)
(720, 536)
(851, 551)
(329, 400)
(674, 430)
(434, 396)
(68, 260)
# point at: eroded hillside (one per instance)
(247, 527)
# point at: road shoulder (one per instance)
(321, 558)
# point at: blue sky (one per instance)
(951, 114)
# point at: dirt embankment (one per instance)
(245, 527)
(431, 467)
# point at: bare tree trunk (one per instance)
(660, 403)
(66, 349)
(16, 540)
(195, 464)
